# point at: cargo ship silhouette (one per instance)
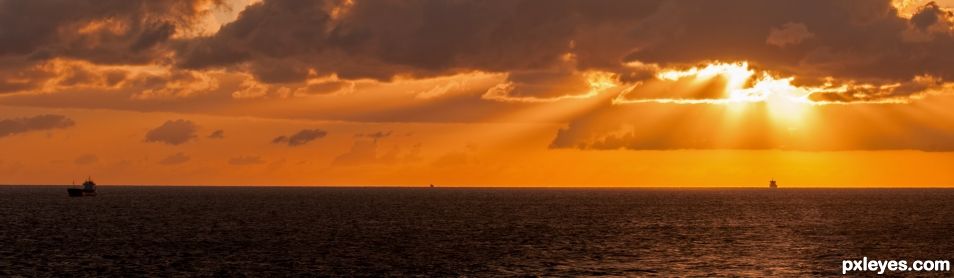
(89, 189)
(773, 184)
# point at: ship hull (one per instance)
(76, 192)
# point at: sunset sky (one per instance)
(478, 93)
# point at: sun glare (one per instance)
(744, 87)
(738, 87)
(742, 84)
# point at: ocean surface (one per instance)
(287, 231)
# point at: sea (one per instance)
(135, 231)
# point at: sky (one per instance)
(686, 93)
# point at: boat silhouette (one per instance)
(89, 189)
(773, 184)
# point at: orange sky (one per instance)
(516, 93)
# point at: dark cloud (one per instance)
(152, 35)
(283, 40)
(86, 159)
(278, 71)
(102, 31)
(173, 132)
(286, 41)
(177, 158)
(374, 39)
(246, 160)
(35, 34)
(218, 134)
(27, 124)
(929, 15)
(543, 46)
(860, 40)
(301, 137)
(788, 34)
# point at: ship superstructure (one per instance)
(89, 189)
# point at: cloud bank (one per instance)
(479, 61)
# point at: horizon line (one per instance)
(509, 186)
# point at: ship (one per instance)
(89, 189)
(773, 184)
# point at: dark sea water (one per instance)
(262, 232)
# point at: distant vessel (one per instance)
(89, 189)
(772, 184)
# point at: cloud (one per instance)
(55, 74)
(379, 40)
(375, 135)
(171, 85)
(550, 85)
(177, 158)
(173, 132)
(246, 160)
(110, 32)
(301, 137)
(852, 92)
(86, 159)
(288, 42)
(723, 83)
(788, 34)
(218, 134)
(929, 15)
(26, 124)
(355, 40)
(326, 87)
(860, 40)
(337, 58)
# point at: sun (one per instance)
(743, 83)
(746, 88)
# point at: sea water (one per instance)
(280, 231)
